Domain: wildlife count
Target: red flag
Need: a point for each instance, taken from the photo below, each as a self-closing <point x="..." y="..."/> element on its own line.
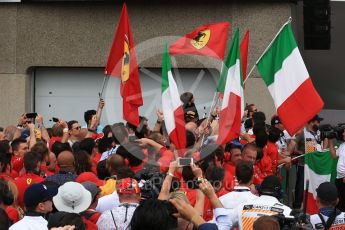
<point x="207" y="40"/>
<point x="244" y="54"/>
<point x="122" y="63"/>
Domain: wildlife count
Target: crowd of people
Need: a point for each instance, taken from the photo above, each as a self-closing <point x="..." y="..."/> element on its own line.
<point x="122" y="176"/>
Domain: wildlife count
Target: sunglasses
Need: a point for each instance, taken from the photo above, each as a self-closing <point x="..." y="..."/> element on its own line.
<point x="77" y="128"/>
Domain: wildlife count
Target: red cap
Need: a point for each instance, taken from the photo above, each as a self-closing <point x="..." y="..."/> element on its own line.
<point x="127" y="186"/>
<point x="91" y="177"/>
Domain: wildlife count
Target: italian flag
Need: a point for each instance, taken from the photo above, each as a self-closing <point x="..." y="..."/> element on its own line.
<point x="284" y="72"/>
<point x="319" y="167"/>
<point x="231" y="87"/>
<point x="172" y="106"/>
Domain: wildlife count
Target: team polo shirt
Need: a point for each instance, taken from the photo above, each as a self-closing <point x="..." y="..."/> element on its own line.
<point x="23" y="182"/>
<point x="245" y="214"/>
<point x="338" y="224"/>
<point x="238" y="196"/>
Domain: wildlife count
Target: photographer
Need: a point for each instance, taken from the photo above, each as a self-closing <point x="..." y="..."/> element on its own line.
<point x="328" y="217"/>
<point x="340" y="182"/>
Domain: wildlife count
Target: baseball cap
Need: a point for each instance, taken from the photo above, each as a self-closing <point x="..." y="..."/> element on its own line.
<point x="327" y="192"/>
<point x="89" y="176"/>
<point x="316" y="118"/>
<point x="38" y="193"/>
<point x="72" y="197"/>
<point x="127" y="186"/>
<point x="271" y="183"/>
<point x="275" y="120"/>
<point x="92" y="188"/>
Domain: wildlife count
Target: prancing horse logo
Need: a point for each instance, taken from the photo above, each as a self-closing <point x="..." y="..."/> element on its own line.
<point x="201" y="39"/>
<point x="125" y="61"/>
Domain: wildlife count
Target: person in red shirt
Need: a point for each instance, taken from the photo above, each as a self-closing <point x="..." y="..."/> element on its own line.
<point x="232" y="156"/>
<point x="7" y="200"/>
<point x="272" y="148"/>
<point x="5" y="161"/>
<point x="215" y="175"/>
<point x="41" y="149"/>
<point x="31" y="176"/>
<point x="137" y="158"/>
<point x="52" y="164"/>
<point x="89" y="145"/>
<point x="19" y="148"/>
<point x="250" y="154"/>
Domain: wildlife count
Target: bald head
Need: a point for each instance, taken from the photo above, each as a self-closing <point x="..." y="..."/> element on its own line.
<point x="114" y="162"/>
<point x="66" y="160"/>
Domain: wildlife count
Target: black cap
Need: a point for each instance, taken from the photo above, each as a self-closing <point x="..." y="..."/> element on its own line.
<point x="275" y="120"/>
<point x="271" y="184"/>
<point x="316" y="118"/>
<point x="38" y="193"/>
<point x="327" y="192"/>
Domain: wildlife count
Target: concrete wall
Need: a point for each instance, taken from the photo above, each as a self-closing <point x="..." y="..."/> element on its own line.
<point x="80" y="35"/>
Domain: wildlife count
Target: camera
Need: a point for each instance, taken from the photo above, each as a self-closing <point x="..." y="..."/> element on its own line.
<point x="298" y="220"/>
<point x="332" y="132"/>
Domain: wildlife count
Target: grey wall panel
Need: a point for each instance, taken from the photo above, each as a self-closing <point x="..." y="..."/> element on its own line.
<point x="68" y="92"/>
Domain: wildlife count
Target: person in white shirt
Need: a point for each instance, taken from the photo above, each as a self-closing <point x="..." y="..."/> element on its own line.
<point x="340" y="182"/>
<point x="241" y="193"/>
<point x="245" y="214"/>
<point x="328" y="217"/>
<point x="120" y="217"/>
<point x="38" y="203"/>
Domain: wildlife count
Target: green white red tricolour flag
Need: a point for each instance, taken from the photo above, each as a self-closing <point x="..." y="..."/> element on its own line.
<point x="319" y="167"/>
<point x="284" y="72"/>
<point x="231" y="87"/>
<point x="172" y="106"/>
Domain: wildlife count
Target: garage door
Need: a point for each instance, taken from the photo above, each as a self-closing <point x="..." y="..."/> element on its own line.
<point x="68" y="92"/>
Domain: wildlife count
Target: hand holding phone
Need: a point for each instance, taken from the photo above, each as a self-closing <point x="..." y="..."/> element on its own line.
<point x="185" y="161"/>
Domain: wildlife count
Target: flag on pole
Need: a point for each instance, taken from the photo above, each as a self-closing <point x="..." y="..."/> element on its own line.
<point x="244" y="54"/>
<point x="207" y="40"/>
<point x="231" y="87"/>
<point x="172" y="106"/>
<point x="284" y="72"/>
<point x="319" y="167"/>
<point x="122" y="63"/>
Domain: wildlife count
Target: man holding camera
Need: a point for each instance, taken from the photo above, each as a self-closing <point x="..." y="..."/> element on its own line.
<point x="340" y="182"/>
